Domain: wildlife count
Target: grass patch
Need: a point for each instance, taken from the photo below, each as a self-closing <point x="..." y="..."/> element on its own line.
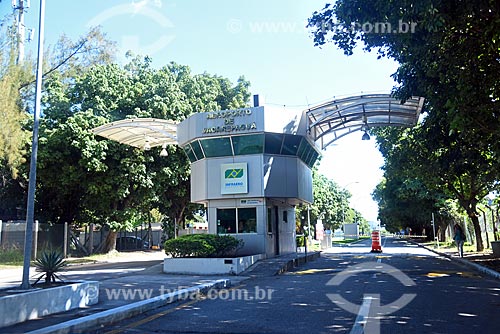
<point x="344" y="241"/>
<point x="11" y="257"/>
<point x="349" y="241"/>
<point x="451" y="246"/>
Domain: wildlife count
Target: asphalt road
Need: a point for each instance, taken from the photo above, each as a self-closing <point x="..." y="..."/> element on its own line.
<point x="405" y="289"/>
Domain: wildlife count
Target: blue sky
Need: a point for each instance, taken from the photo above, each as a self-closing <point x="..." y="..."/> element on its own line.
<point x="266" y="41"/>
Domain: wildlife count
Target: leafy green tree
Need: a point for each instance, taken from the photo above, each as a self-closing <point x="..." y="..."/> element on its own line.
<point x="114" y="185"/>
<point x="331" y="203"/>
<point x="16" y="101"/>
<point x="12" y="137"/>
<point x="449" y="57"/>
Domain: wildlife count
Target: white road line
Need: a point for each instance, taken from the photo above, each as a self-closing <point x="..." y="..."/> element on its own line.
<point x="361" y="319"/>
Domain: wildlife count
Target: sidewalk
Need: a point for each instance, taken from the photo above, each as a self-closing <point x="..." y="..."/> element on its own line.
<point x="485" y="263"/>
<point x="126" y="296"/>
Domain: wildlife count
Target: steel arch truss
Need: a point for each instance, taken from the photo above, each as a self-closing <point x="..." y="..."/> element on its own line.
<point x="140" y="132"/>
<point x="335" y="119"/>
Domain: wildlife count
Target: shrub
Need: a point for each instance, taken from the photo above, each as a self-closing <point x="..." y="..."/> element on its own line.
<point x="226" y="245"/>
<point x="299" y="241"/>
<point x="202" y="245"/>
<point x="49" y="263"/>
<point x="11" y="256"/>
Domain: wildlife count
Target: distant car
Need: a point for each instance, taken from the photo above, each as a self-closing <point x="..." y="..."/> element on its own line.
<point x="131" y="243"/>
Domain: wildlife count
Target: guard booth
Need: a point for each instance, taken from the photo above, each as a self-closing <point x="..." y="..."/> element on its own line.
<point x="250" y="167"/>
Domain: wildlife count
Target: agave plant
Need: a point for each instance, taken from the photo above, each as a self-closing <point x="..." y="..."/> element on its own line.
<point x="49" y="263"/>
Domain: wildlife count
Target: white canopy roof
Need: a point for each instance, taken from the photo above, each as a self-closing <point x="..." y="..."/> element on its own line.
<point x="140" y="132"/>
<point x="334" y="119"/>
<point x="326" y="122"/>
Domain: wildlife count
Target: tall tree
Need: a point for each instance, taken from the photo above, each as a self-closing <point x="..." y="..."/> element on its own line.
<point x="111" y="184"/>
<point x="16" y="100"/>
<point x="448" y="52"/>
<point x="331" y="203"/>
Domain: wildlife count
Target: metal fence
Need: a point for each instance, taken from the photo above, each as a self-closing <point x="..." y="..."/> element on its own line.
<point x="74" y="242"/>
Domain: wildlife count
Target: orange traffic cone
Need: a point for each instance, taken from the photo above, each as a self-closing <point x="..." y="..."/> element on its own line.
<point x="376" y="247"/>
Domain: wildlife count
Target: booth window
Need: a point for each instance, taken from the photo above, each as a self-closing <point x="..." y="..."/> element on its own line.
<point x="226" y="221"/>
<point x="217" y="147"/>
<point x="273" y="142"/>
<point x="197" y="149"/>
<point x="227" y="218"/>
<point x="269" y="220"/>
<point x="291" y="145"/>
<point x="250" y="144"/>
<point x="190" y="153"/>
<point x="247" y="220"/>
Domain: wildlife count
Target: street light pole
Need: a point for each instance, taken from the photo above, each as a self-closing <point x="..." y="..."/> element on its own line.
<point x="343" y="208"/>
<point x="30" y="210"/>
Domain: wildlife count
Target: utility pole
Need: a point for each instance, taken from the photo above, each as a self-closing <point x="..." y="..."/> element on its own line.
<point x="28" y="238"/>
<point x="21" y="6"/>
<point x="434" y="229"/>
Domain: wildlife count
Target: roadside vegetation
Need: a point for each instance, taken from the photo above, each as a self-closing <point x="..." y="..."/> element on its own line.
<point x="10" y="257"/>
<point x="448" y="165"/>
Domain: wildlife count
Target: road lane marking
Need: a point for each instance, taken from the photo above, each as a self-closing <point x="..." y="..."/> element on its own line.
<point x="362" y="316"/>
<point x="379" y="260"/>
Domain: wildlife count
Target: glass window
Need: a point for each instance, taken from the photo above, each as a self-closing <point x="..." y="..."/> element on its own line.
<point x="291" y="145"/>
<point x="251" y="144"/>
<point x="306" y="152"/>
<point x="197" y="149"/>
<point x="226" y="221"/>
<point x="217" y="147"/>
<point x="302" y="147"/>
<point x="273" y="143"/>
<point x="312" y="158"/>
<point x="247" y="220"/>
<point x="269" y="220"/>
<point x="189" y="153"/>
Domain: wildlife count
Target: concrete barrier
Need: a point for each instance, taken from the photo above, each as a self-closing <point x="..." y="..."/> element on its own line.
<point x="126" y="311"/>
<point x="209" y="266"/>
<point x="32" y="304"/>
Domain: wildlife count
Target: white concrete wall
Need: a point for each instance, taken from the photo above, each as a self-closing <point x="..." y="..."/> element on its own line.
<point x="209" y="266"/>
<point x="37" y="303"/>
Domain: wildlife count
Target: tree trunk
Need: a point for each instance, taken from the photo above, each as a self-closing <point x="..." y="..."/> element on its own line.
<point x="477" y="232"/>
<point x="109" y="244"/>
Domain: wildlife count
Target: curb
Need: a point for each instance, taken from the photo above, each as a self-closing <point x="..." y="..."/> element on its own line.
<point x="130" y="310"/>
<point x="292" y="263"/>
<point x="467" y="263"/>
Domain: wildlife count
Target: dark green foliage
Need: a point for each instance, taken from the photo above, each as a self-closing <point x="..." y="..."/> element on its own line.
<point x="450" y="57"/>
<point x="300" y="241"/>
<point x="202" y="245"/>
<point x="49" y="263"/>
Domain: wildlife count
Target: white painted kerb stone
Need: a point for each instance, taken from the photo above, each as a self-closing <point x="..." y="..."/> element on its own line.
<point x="209" y="266"/>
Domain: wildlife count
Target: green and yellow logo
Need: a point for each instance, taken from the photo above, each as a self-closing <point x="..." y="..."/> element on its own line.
<point x="233" y="173"/>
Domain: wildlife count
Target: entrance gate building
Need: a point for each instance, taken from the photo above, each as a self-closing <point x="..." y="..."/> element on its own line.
<point x="250" y="167"/>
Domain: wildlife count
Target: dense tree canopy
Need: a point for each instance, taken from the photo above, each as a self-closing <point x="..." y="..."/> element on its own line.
<point x="331" y="206"/>
<point x="112" y="184"/>
<point x="448" y="52"/>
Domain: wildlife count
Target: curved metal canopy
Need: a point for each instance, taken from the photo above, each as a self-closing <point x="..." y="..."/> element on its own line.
<point x="335" y="119"/>
<point x="140" y="132"/>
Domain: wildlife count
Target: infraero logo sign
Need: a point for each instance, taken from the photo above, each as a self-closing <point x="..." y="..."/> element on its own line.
<point x="234" y="178"/>
<point x="234" y="173"/>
